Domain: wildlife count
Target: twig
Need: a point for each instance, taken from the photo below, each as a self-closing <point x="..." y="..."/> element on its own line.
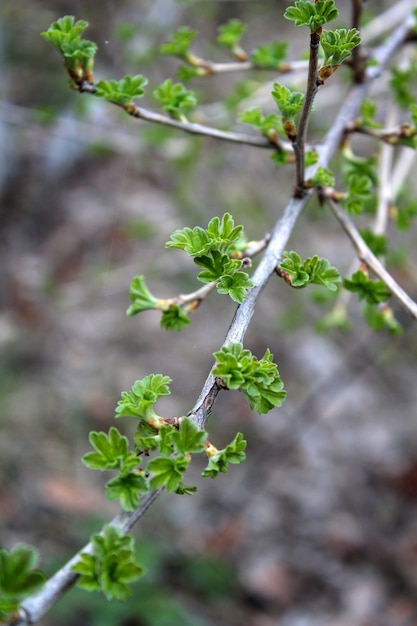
<point x="357" y="61"/>
<point x="310" y="93"/>
<point x="366" y="256"/>
<point x="33" y="608"/>
<point x="211" y="67"/>
<point x="385" y="168"/>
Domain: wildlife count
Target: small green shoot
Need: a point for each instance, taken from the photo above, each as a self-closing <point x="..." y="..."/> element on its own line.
<point x="312" y="14"/>
<point x="313" y="270"/>
<point x="371" y="291"/>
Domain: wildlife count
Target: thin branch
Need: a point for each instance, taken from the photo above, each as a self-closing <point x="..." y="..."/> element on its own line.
<point x="385" y="168"/>
<point x="366" y="256"/>
<point x="211" y="67"/>
<point x="357" y="60"/>
<point x="310" y="93"/>
<point x="33" y="608"/>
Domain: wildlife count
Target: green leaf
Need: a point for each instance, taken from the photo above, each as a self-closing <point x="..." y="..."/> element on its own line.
<point x="167" y="472"/>
<point x="289" y="102"/>
<point x="126" y="489"/>
<point x="18" y="578"/>
<point x="314" y="270"/>
<point x="405" y="216"/>
<point x="359" y="192"/>
<point x="372" y="291"/>
<point x="382" y="319"/>
<point x="143" y="395"/>
<point x="311" y="158"/>
<point x="175" y="318"/>
<point x="313" y="15"/>
<point x="65" y="36"/>
<point x="259" y="380"/>
<point x="223" y="233"/>
<point x="368" y="111"/>
<point x="65" y="29"/>
<point x="175" y="98"/>
<point x="111" y="451"/>
<point x="269" y="125"/>
<point x="378" y="244"/>
<point x="140" y="296"/>
<point x="401" y="84"/>
<point x="231" y="33"/>
<point x="122" y="91"/>
<point x="189" y="438"/>
<point x="111" y="566"/>
<point x="180" y="43"/>
<point x="215" y="265"/>
<point x="236" y="285"/>
<point x="323" y="177"/>
<point x="232" y="453"/>
<point x="270" y="56"/>
<point x="338" y="44"/>
<point x="194" y="241"/>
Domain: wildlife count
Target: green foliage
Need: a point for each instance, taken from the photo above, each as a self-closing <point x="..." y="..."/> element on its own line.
<point x="179" y="43"/>
<point x="112" y="452"/>
<point x="233" y="453"/>
<point x="259" y="380"/>
<point x="289" y="102"/>
<point x="368" y="110"/>
<point x="371" y="291"/>
<point x="313" y="15"/>
<point x="270" y="56"/>
<point x="338" y="44"/>
<point x="122" y="91"/>
<point x="382" y="318"/>
<point x="18" y="577"/>
<point x="323" y="177"/>
<point x="405" y="216"/>
<point x="311" y="158"/>
<point x="111" y="566"/>
<point x="140" y="296"/>
<point x="65" y="36"/>
<point x="175" y="98"/>
<point x="175" y="317"/>
<point x="269" y="125"/>
<point x="402" y="83"/>
<point x="378" y="244"/>
<point x="359" y="192"/>
<point x="212" y="249"/>
<point x="126" y="488"/>
<point x="142" y="396"/>
<point x="314" y="270"/>
<point x="231" y="33"/>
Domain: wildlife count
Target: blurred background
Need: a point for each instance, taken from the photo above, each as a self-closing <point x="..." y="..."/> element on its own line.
<point x="319" y="525"/>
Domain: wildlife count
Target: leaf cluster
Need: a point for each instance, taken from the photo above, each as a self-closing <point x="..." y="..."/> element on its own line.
<point x="358" y="194"/>
<point x="314" y="270"/>
<point x="231" y="33"/>
<point x="65" y="36"/>
<point x="122" y="91"/>
<point x="18" y="577"/>
<point x="371" y="291"/>
<point x="179" y="44"/>
<point x="111" y="566"/>
<point x="259" y="380"/>
<point x="233" y="453"/>
<point x="289" y="102"/>
<point x="270" y="56"/>
<point x="175" y="98"/>
<point x="269" y="125"/>
<point x="212" y="249"/>
<point x="338" y="44"/>
<point x="312" y="14"/>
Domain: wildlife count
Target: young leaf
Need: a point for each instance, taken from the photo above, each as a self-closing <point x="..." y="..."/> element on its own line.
<point x="167" y="472"/>
<point x="111" y="451"/>
<point x="270" y="56"/>
<point x="312" y="270"/>
<point x="338" y="44"/>
<point x="289" y="102"/>
<point x="359" y="192"/>
<point x="231" y="33"/>
<point x="143" y="395"/>
<point x="86" y="568"/>
<point x="372" y="291"/>
<point x="18" y="578"/>
<point x="382" y="318"/>
<point x="368" y="111"/>
<point x="140" y="296"/>
<point x="180" y="43"/>
<point x="188" y="438"/>
<point x="269" y="125"/>
<point x="236" y="285"/>
<point x="175" y="98"/>
<point x="194" y="241"/>
<point x="232" y="453"/>
<point x="175" y="318"/>
<point x="122" y="91"/>
<point x="377" y="243"/>
<point x="126" y="489"/>
<point x="214" y="266"/>
<point x="313" y="15"/>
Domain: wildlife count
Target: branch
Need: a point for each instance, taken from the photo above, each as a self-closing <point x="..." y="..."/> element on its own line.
<point x="211" y="67"/>
<point x="311" y="90"/>
<point x="190" y="127"/>
<point x="357" y="61"/>
<point x="366" y="256"/>
<point x="33" y="608"/>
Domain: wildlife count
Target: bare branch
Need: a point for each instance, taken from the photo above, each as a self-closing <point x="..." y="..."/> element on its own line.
<point x="366" y="256"/>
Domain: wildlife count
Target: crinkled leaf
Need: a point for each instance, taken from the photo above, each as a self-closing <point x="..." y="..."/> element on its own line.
<point x="88" y="569"/>
<point x="18" y="578"/>
<point x="289" y="102"/>
<point x="175" y="318"/>
<point x="372" y="291"/>
<point x="175" y="98"/>
<point x="167" y="472"/>
<point x="233" y="453"/>
<point x="140" y="296"/>
<point x="179" y="43"/>
<point x="194" y="241"/>
<point x="338" y="44"/>
<point x="214" y="265"/>
<point x="231" y="33"/>
<point x="143" y="395"/>
<point x="236" y="285"/>
<point x="189" y="438"/>
<point x="126" y="489"/>
<point x="313" y="15"/>
<point x="122" y="91"/>
<point x="111" y="451"/>
<point x="270" y="56"/>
